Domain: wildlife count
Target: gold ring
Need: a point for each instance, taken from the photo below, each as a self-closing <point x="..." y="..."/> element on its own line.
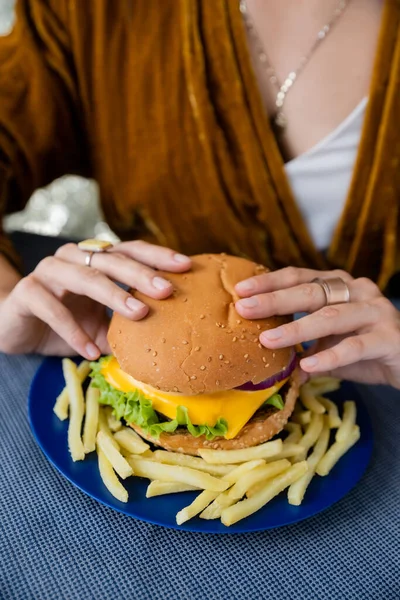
<point x="335" y="289"/>
<point x="93" y="247"/>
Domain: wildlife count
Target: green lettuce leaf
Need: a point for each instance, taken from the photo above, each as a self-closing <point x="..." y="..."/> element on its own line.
<point x="276" y="401"/>
<point x="134" y="407"/>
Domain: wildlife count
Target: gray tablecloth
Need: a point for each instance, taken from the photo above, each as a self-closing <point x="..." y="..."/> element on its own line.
<point x="57" y="543"/>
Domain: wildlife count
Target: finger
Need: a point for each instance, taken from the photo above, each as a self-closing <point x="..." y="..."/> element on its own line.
<point x="154" y="256"/>
<point x="368" y="346"/>
<point x="35" y="300"/>
<point x="120" y="267"/>
<point x="307" y="297"/>
<point x="284" y="278"/>
<point x="56" y="275"/>
<point x="329" y="320"/>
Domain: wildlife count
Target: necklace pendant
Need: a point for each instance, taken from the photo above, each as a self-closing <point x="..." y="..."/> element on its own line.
<point x="280" y="120"/>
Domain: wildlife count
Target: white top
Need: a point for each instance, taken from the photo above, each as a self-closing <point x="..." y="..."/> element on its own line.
<point x="320" y="178"/>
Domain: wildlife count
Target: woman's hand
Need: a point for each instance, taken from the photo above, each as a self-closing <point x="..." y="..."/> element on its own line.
<point x="359" y="340"/>
<point x="60" y="308"/>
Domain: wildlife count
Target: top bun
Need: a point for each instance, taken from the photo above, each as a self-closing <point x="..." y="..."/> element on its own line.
<point x="195" y="342"/>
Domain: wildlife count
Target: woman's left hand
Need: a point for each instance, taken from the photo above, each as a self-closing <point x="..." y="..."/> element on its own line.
<point x="358" y="340"/>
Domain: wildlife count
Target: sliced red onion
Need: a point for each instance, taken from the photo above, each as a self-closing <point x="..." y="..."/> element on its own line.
<point x="276" y="378"/>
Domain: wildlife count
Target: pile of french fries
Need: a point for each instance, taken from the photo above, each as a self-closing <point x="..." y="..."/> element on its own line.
<point x="233" y="484"/>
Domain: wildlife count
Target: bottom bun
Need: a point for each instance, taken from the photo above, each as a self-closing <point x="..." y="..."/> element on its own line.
<point x="264" y="425"/>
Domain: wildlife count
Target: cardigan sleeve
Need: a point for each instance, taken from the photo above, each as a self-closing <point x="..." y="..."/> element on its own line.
<point x="41" y="133"/>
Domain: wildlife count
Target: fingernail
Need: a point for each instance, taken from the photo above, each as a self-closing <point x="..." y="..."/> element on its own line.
<point x="245" y="286"/>
<point x="181" y="258"/>
<point x="248" y="303"/>
<point x="161" y="284"/>
<point x="92" y="350"/>
<point x="134" y="304"/>
<point x="309" y="362"/>
<point x="272" y="334"/>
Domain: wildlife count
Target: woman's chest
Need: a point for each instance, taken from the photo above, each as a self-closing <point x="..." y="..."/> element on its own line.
<point x="338" y="67"/>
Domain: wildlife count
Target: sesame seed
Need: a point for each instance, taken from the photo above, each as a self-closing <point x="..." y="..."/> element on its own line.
<point x="148" y="349"/>
<point x="264" y="359"/>
<point x="255" y="340"/>
<point x="259" y="345"/>
<point x="119" y="331"/>
<point x="185" y="342"/>
<point x="154" y="364"/>
<point x="197" y="348"/>
<point x="267" y="365"/>
<point x="273" y="355"/>
<point x="218" y="324"/>
<point x="154" y="353"/>
<point x="114" y="346"/>
<point x="202" y="368"/>
<point x="209" y="359"/>
<point x="242" y="337"/>
<point x="238" y="321"/>
<point x="246" y="356"/>
<point x="223" y="326"/>
<point x="226" y="362"/>
<point x="258" y="326"/>
<point x="175" y="389"/>
<point x="193" y="377"/>
<point x="234" y="339"/>
<point x="217" y="382"/>
<point x="163" y="340"/>
<point x="221" y="356"/>
<point x="202" y="316"/>
<point x="184" y="300"/>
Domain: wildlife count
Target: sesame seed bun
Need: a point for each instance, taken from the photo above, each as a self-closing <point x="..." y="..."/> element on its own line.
<point x="195" y="342"/>
<point x="264" y="425"/>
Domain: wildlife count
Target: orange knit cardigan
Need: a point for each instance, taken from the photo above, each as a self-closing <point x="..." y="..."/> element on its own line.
<point x="157" y="100"/>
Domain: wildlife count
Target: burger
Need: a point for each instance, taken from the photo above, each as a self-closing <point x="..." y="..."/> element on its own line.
<point x="192" y="374"/>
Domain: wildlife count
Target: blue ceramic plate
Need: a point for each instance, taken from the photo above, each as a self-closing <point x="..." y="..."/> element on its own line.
<point x="51" y="435"/>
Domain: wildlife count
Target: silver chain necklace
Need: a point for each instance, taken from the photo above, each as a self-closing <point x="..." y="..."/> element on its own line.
<point x="279" y="119"/>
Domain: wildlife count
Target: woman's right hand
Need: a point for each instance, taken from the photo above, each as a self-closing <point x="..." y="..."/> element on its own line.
<point x="60" y="308"/>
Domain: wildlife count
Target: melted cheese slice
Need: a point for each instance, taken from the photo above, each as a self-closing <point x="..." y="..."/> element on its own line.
<point x="235" y="406"/>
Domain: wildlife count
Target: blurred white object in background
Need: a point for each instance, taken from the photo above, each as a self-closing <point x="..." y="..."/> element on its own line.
<point x="69" y="207"/>
<point x="7" y="16"/>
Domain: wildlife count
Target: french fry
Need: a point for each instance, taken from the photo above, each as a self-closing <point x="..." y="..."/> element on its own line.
<point x="243" y="483"/>
<point x="118" y="462"/>
<point x="336" y="451"/>
<point x="151" y="469"/>
<point x="309" y="400"/>
<point x="205" y="498"/>
<point x="199" y="504"/>
<point x="160" y="488"/>
<point x="238" y="456"/>
<point x="288" y="451"/>
<point x="62" y="402"/>
<point x="333" y="413"/>
<point x="348" y="421"/>
<point x="113" y="423"/>
<point x="323" y="385"/>
<point x="214" y="510"/>
<point x="297" y="490"/>
<point x="184" y="460"/>
<point x="130" y="441"/>
<point x="295" y="433"/>
<point x="272" y="488"/>
<point x="91" y="419"/>
<point x="110" y="479"/>
<point x="103" y="426"/>
<point x="302" y="417"/>
<point x="77" y="409"/>
<point x="311" y="435"/>
<point x="254" y="476"/>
